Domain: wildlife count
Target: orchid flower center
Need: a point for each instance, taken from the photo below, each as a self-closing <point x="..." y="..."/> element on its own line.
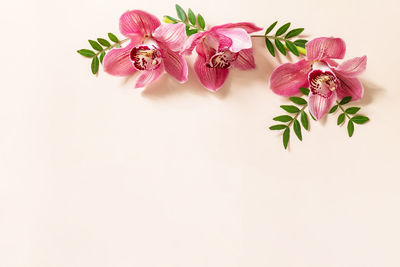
<point x="222" y="60"/>
<point x="146" y="57"/>
<point x="322" y="80"/>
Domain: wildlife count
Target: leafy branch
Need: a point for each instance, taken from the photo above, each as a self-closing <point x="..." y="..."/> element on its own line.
<point x="293" y="121"/>
<point x="283" y="43"/>
<point x="193" y="23"/>
<point x="347" y="113"/>
<point x="101" y="46"/>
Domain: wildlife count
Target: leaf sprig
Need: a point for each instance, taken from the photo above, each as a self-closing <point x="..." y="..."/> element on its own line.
<point x="349" y="113"/>
<point x="284" y="42"/>
<point x="293" y="121"/>
<point x="193" y="23"/>
<point x="100" y="48"/>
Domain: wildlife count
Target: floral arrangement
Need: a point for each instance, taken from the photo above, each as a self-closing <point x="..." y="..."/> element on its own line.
<point x="317" y="81"/>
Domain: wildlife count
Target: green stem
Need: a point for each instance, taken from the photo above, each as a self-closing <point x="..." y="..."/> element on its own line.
<point x="298" y="113"/>
<point x="301" y="50"/>
<point x="110" y="47"/>
<point x="345" y="113"/>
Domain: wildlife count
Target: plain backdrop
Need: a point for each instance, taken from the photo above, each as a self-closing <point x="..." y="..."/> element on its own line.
<point x="96" y="173"/>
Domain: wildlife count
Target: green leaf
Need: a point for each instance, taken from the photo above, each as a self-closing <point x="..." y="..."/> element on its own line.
<point x="345" y="100"/>
<point x="170" y="20"/>
<point x="190" y="31"/>
<point x="95" y="45"/>
<point x="304" y="120"/>
<point x="201" y="21"/>
<point x="270" y="46"/>
<point x="312" y="116"/>
<point x="290" y="108"/>
<point x="282" y="29"/>
<point x="192" y="17"/>
<point x="95" y="65"/>
<point x="304" y="91"/>
<point x="292" y="48"/>
<point x="278" y="127"/>
<point x="113" y="38"/>
<point x="286" y="137"/>
<point x="271" y="27"/>
<point x="333" y="109"/>
<point x="283" y="118"/>
<point x="350" y="128"/>
<point x="102" y="56"/>
<point x="294" y="33"/>
<point x="297" y="129"/>
<point x="341" y="118"/>
<point x="360" y="119"/>
<point x="300" y="42"/>
<point x="180" y="12"/>
<point x="104" y="42"/>
<point x="280" y="47"/>
<point x="86" y="52"/>
<point x="352" y="110"/>
<point x="298" y="100"/>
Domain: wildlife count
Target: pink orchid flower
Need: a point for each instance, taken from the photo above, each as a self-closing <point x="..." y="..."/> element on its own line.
<point x="220" y="48"/>
<point x="327" y="80"/>
<point x="153" y="48"/>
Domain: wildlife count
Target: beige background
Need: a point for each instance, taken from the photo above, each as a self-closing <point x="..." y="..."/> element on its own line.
<point x="96" y="173"/>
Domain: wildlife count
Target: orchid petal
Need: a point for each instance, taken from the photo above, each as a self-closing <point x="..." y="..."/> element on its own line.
<point x="171" y="35"/>
<point x="349" y="86"/>
<point x="247" y="26"/>
<point x="211" y="78"/>
<point x="288" y="78"/>
<point x="117" y="62"/>
<point x="148" y="76"/>
<point x="175" y="65"/>
<point x="240" y="38"/>
<point x="245" y="60"/>
<point x="320" y="105"/>
<point x="138" y="22"/>
<point x="192" y="42"/>
<point x="321" y="48"/>
<point x="352" y="67"/>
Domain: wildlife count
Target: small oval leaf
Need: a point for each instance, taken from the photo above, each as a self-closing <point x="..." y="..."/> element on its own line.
<point x="271" y="27"/>
<point x="333" y="109"/>
<point x="180" y="12"/>
<point x="350" y="128"/>
<point x="352" y="110"/>
<point x="298" y="100"/>
<point x="290" y="108"/>
<point x="95" y="45"/>
<point x="345" y="100"/>
<point x="286" y="137"/>
<point x="112" y="37"/>
<point x="297" y="129"/>
<point x="103" y="42"/>
<point x="340" y="119"/>
<point x="270" y="46"/>
<point x="360" y="119"/>
<point x="95" y="65"/>
<point x="282" y="29"/>
<point x="294" y="33"/>
<point x="280" y="47"/>
<point x="278" y="127"/>
<point x="304" y="120"/>
<point x="201" y="22"/>
<point x="86" y="53"/>
<point x="283" y="118"/>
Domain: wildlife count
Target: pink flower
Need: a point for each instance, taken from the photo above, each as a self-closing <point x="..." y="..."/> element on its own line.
<point x="326" y="79"/>
<point x="153" y="48"/>
<point x="220" y="48"/>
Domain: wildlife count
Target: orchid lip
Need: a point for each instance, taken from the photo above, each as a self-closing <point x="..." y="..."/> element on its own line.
<point x="146" y="57"/>
<point x="222" y="60"/>
<point x="322" y="82"/>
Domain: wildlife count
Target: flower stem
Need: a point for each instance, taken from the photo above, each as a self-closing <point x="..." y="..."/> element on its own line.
<point x="345" y="113"/>
<point x="111" y="47"/>
<point x="301" y="50"/>
<point x="298" y="113"/>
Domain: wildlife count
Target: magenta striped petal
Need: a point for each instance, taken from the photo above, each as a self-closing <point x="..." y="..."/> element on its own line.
<point x="211" y="78"/>
<point x="320" y="105"/>
<point x="288" y="78"/>
<point x="352" y="67"/>
<point x="247" y="26"/>
<point x="240" y="38"/>
<point x="117" y="62"/>
<point x="175" y="65"/>
<point x="245" y="60"/>
<point x="192" y="42"/>
<point x="148" y="76"/>
<point x="349" y="86"/>
<point x="138" y="22"/>
<point x="321" y="48"/>
<point x="171" y="35"/>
